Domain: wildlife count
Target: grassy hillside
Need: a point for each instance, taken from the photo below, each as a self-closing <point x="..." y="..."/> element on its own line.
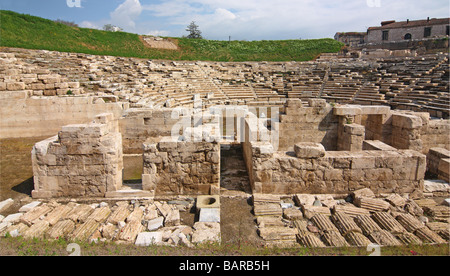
<point x="25" y="31"/>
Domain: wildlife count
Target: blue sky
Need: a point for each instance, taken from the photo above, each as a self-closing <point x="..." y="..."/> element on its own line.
<point x="240" y="19"/>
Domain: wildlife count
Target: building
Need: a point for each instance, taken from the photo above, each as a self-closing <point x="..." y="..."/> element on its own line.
<point x="392" y="31"/>
<point x="351" y="39"/>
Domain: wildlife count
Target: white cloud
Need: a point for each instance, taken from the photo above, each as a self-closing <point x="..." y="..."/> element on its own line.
<point x="126" y="14"/>
<point x="89" y="24"/>
<point x="265" y="19"/>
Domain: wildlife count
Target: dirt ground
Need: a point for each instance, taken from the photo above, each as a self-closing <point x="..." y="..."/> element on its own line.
<point x="237" y="221"/>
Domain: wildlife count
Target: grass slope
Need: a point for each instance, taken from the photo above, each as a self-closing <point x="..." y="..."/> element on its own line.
<point x="26" y="31"/>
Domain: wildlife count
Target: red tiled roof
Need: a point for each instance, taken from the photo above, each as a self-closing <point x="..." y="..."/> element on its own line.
<point x="413" y="23"/>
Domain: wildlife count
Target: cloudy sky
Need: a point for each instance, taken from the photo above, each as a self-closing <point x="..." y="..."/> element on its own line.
<point x="240" y="19"/>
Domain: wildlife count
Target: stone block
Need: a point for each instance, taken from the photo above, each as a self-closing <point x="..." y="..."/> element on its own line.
<point x="206" y="232"/>
<point x="5" y="204"/>
<point x="317" y="102"/>
<point x="347" y="111"/>
<point x="29" y="206"/>
<point x="15" y="86"/>
<point x="155" y="224"/>
<point x="294" y="103"/>
<point x="208" y="201"/>
<point x="13" y="218"/>
<point x="209" y="215"/>
<point x="354" y="129"/>
<point x="148" y="238"/>
<point x="309" y="150"/>
<point x="167" y="144"/>
<point x="406" y="121"/>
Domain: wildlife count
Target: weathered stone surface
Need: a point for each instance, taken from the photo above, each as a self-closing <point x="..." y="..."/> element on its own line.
<point x="61" y="229"/>
<point x="310" y="211"/>
<point x="100" y="214"/>
<point x="371" y="204"/>
<point x="383" y="237"/>
<point x="85" y="230"/>
<point x="292" y="214"/>
<point x="35" y="214"/>
<point x="345" y="223"/>
<point x="334" y="239"/>
<point x="60" y="211"/>
<point x="120" y="214"/>
<point x="396" y="200"/>
<point x="130" y="231"/>
<point x="36" y="230"/>
<point x="79" y="213"/>
<point x="136" y="215"/>
<point x="206" y="232"/>
<point x="428" y="236"/>
<point x="209" y="215"/>
<point x="387" y="222"/>
<point x="274" y="233"/>
<point x="18" y="228"/>
<point x="409" y="222"/>
<point x="365" y="192"/>
<point x="6" y="204"/>
<point x="323" y="222"/>
<point x="309" y="150"/>
<point x="13" y="218"/>
<point x="172" y="218"/>
<point x="29" y="206"/>
<point x="148" y="238"/>
<point x="367" y="225"/>
<point x="357" y="239"/>
<point x="310" y="241"/>
<point x="155" y="224"/>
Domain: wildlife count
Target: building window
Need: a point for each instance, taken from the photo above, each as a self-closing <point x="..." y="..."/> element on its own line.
<point x="385" y="35"/>
<point x="408" y="36"/>
<point x="427" y="32"/>
<point x="447" y="30"/>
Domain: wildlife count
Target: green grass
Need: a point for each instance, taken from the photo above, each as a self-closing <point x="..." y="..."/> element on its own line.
<point x="30" y="32"/>
<point x="42" y="247"/>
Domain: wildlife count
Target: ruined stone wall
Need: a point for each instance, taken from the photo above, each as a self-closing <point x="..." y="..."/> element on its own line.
<point x="139" y="124"/>
<point x="336" y="171"/>
<point x="181" y="167"/>
<point x="83" y="160"/>
<point x="308" y="122"/>
<point x="24" y="116"/>
<point x="438" y="163"/>
<point x="435" y="133"/>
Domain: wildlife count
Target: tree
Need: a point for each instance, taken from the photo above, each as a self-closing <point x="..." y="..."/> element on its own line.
<point x="111" y="28"/>
<point x="68" y="23"/>
<point x="193" y="30"/>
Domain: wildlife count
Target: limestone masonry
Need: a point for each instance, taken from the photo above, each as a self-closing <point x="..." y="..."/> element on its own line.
<point x="337" y="151"/>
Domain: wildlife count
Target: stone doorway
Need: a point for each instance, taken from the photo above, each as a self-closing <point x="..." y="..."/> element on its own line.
<point x="234" y="178"/>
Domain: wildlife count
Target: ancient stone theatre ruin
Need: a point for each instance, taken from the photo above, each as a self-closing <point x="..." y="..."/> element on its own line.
<point x="314" y="132"/>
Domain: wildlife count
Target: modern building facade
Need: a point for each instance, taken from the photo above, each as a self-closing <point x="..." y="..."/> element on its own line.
<point x="392" y="31"/>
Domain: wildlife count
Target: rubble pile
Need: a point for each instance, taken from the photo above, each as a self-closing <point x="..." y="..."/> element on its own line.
<point x="358" y="220"/>
<point x="141" y="222"/>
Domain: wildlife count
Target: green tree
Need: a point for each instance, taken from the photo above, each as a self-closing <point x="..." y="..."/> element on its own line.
<point x="193" y="30"/>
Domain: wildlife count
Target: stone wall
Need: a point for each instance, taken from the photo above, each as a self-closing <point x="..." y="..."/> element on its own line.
<point x="83" y="160"/>
<point x="335" y="172"/>
<point x="438" y="163"/>
<point x="35" y="116"/>
<point x="311" y="121"/>
<point x="139" y="124"/>
<point x="181" y="167"/>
